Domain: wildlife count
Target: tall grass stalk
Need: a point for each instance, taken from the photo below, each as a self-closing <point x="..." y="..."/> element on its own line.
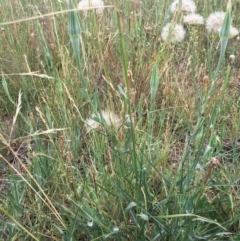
<point x="136" y="164"/>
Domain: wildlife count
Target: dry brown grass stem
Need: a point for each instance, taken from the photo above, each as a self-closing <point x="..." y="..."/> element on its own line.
<point x="49" y="15"/>
<point x="71" y="99"/>
<point x="34" y="73"/>
<point x="16" y="114"/>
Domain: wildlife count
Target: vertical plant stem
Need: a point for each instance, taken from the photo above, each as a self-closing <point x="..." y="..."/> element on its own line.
<point x="126" y="79"/>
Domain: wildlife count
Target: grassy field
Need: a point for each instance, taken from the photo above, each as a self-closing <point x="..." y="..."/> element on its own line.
<point x="109" y="131"/>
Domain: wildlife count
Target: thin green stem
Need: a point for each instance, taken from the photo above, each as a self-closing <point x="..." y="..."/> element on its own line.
<point x="126" y="79"/>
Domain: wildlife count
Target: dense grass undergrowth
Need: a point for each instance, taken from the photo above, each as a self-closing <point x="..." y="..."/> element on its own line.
<point x="167" y="169"/>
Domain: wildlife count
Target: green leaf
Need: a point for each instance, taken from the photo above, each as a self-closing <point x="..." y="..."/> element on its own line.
<point x="224" y="36"/>
<point x="5" y="87"/>
<point x="144" y="216"/>
<point x="73" y="22"/>
<point x="74" y="32"/>
<point x="131" y="205"/>
<point x="154" y="82"/>
<point x="122" y="92"/>
<point x="225" y="30"/>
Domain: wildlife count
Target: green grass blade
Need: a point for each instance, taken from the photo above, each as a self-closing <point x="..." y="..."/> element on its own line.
<point x="74" y="32"/>
<point x="224" y="36"/>
<point x="154" y="82"/>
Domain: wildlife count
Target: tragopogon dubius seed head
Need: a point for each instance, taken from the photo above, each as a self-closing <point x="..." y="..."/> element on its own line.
<point x="215" y="21"/>
<point x="188" y="6"/>
<point x="110" y="119"/>
<point x="85" y="4"/>
<point x="173" y="32"/>
<point x="193" y="19"/>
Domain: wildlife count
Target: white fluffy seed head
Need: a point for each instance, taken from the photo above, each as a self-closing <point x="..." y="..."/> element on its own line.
<point x="85" y="4"/>
<point x="232" y="57"/>
<point x="233" y="32"/>
<point x="173" y="32"/>
<point x="110" y="119"/>
<point x="193" y="19"/>
<point x="215" y="21"/>
<point x="188" y="6"/>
